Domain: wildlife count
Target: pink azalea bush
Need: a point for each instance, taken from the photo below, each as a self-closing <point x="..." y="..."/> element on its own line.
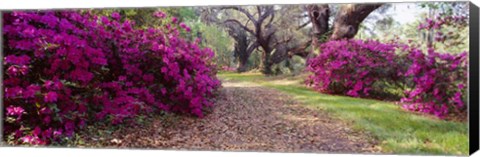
<point x="437" y="82"/>
<point x="64" y="69"/>
<point x="351" y="67"/>
<point x="433" y="82"/>
<point x="442" y="21"/>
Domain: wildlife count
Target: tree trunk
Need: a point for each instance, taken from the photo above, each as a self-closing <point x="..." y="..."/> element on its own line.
<point x="319" y="15"/>
<point x="241" y="66"/>
<point x="266" y="55"/>
<point x="266" y="67"/>
<point x="241" y="51"/>
<point x="348" y="19"/>
<point x="265" y="14"/>
<point x="243" y="56"/>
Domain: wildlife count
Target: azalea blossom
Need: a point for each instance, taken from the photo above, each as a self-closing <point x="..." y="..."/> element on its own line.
<point x="76" y="71"/>
<point x="51" y="97"/>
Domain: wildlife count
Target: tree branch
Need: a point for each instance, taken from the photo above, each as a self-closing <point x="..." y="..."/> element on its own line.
<point x="245" y="12"/>
<point x="240" y="24"/>
<point x="301" y="49"/>
<point x="271" y="20"/>
<point x="268" y="11"/>
<point x="349" y="18"/>
<point x="252" y="47"/>
<point x="303" y="25"/>
<point x="283" y="41"/>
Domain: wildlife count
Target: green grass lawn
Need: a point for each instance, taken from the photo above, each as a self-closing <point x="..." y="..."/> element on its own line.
<point x="397" y="131"/>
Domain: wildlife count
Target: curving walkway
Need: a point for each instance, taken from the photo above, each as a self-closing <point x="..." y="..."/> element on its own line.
<point x="247" y="117"/>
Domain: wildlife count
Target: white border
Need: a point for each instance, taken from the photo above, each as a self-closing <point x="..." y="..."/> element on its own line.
<point x="59" y="4"/>
<point x="79" y="152"/>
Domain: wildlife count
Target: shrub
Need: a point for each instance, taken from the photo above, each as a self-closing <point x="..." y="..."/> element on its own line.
<point x="433" y="83"/>
<point x="351" y="67"/>
<point x="64" y="69"/>
<point x="442" y="21"/>
<point x="437" y="82"/>
<point x="448" y="32"/>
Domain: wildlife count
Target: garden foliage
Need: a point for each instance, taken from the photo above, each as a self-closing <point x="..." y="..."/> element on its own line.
<point x="433" y="82"/>
<point x="64" y="69"/>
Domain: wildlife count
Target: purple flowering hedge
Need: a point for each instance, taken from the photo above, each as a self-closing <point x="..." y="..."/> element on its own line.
<point x="64" y="69"/>
<point x="433" y="82"/>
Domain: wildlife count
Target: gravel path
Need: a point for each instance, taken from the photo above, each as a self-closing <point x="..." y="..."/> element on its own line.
<point x="247" y="118"/>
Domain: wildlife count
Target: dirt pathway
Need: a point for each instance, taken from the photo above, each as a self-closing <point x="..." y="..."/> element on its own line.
<point x="248" y="118"/>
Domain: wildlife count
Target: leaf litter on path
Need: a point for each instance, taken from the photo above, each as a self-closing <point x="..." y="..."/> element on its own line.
<point x="246" y="117"/>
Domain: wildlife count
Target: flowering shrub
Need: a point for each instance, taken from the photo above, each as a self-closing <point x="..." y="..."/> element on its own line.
<point x="437" y="82"/>
<point x="443" y="21"/>
<point x="434" y="83"/>
<point x="446" y="32"/>
<point x="66" y="68"/>
<point x="351" y="67"/>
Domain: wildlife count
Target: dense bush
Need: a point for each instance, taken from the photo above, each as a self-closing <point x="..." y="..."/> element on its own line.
<point x="440" y="22"/>
<point x="64" y="69"/>
<point x="448" y="32"/>
<point x="351" y="67"/>
<point x="437" y="81"/>
<point x="433" y="82"/>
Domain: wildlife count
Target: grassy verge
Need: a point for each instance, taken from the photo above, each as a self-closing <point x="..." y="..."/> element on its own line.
<point x="397" y="131"/>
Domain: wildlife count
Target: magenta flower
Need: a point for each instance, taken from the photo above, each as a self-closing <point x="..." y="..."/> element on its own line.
<point x="15" y="111"/>
<point x="47" y="133"/>
<point x="51" y="97"/>
<point x="57" y="85"/>
<point x="57" y="133"/>
<point x="45" y="110"/>
<point x="159" y="14"/>
<point x="122" y="78"/>
<point x="50" y="20"/>
<point x="344" y="62"/>
<point x="13" y="92"/>
<point x="81" y="123"/>
<point x="17" y="60"/>
<point x="99" y="61"/>
<point x="197" y="112"/>
<point x="37" y="131"/>
<point x="31" y="91"/>
<point x="18" y="133"/>
<point x="458" y="99"/>
<point x="183" y="25"/>
<point x="47" y="120"/>
<point x="82" y="75"/>
<point x="78" y="47"/>
<point x="69" y="126"/>
<point x="29" y="139"/>
<point x="148" y="78"/>
<point x="116" y="15"/>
